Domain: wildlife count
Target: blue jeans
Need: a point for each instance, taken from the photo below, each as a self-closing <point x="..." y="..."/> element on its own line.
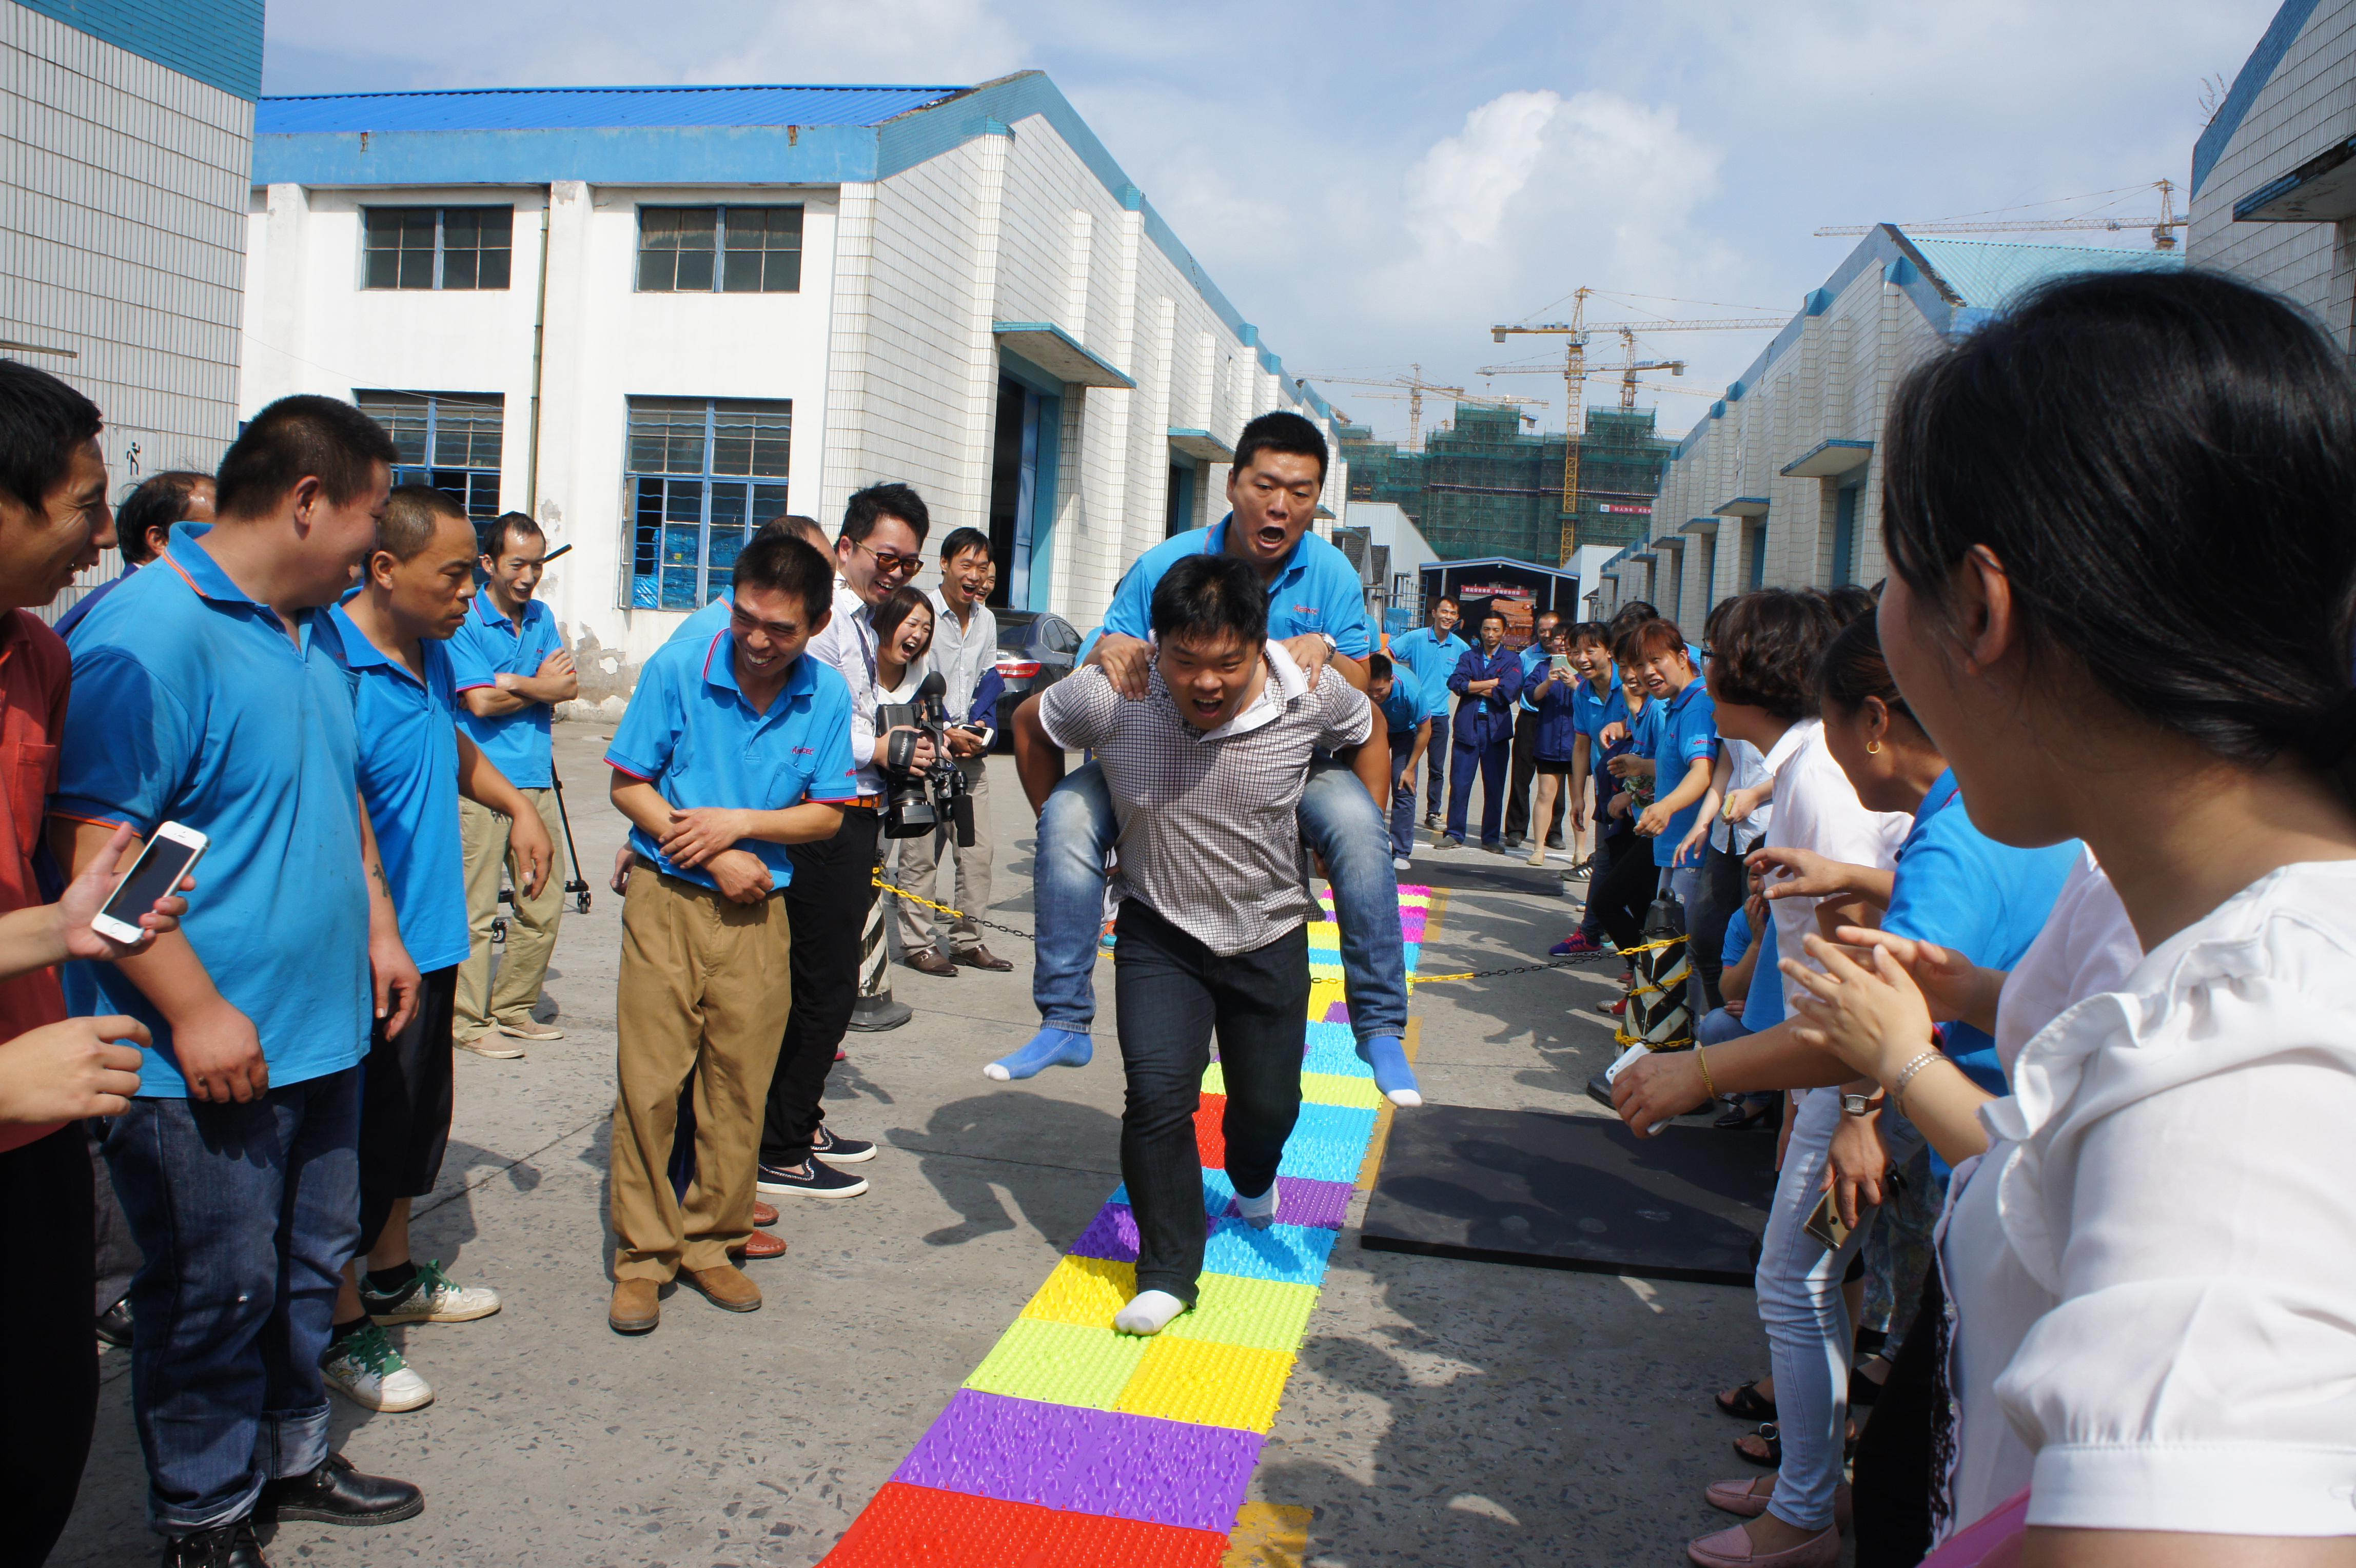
<point x="1492" y="764"/>
<point x="1174" y="994"/>
<point x="1077" y="829"/>
<point x="1402" y="796"/>
<point x="246" y="1215"/>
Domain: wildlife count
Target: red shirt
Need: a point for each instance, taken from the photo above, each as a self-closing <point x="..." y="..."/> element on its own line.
<point x="36" y="675"/>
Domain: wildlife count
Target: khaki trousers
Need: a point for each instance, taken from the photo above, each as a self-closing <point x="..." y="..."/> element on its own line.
<point x="705" y="982"/>
<point x="531" y="926"/>
<point x="920" y="863"/>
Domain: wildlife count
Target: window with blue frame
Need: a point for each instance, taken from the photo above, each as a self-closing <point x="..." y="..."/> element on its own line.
<point x="703" y="473"/>
<point x="437" y="247"/>
<point x="448" y="440"/>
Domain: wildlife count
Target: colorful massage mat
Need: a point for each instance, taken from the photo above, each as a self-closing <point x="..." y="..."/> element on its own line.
<point x="1073" y="1446"/>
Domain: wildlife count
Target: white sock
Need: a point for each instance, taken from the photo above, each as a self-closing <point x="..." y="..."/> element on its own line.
<point x="1259" y="1213"/>
<point x="1149" y="1312"/>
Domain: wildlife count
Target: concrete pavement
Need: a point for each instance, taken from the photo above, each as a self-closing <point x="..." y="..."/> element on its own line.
<point x="1442" y="1412"/>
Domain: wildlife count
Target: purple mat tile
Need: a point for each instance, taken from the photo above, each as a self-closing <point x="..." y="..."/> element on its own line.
<point x="1085" y="1461"/>
<point x="1299" y="1201"/>
<point x="1339" y="1013"/>
<point x="1111" y="1234"/>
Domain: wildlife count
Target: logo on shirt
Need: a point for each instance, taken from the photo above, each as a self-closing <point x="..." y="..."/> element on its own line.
<point x="805" y="751"/>
<point x="1311" y="610"/>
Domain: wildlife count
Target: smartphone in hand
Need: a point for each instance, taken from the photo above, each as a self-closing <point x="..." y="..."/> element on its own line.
<point x="169" y="854"/>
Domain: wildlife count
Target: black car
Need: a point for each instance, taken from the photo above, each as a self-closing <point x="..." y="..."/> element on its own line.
<point x="1035" y="650"/>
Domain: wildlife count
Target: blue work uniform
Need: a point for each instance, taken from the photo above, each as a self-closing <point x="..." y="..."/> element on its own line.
<point x="1483" y="740"/>
<point x="1594" y="715"/>
<point x="487" y="645"/>
<point x="690" y="733"/>
<point x="1316" y="590"/>
<point x="1970" y="895"/>
<point x="408" y="777"/>
<point x="1557" y="712"/>
<point x="1683" y="733"/>
<point x="1406" y="707"/>
<point x="193" y="704"/>
<point x="1432" y="656"/>
<point x="1403" y="710"/>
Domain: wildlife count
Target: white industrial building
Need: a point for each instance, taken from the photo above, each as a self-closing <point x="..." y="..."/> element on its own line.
<point x="2274" y="174"/>
<point x="1780" y="483"/>
<point x="122" y="200"/>
<point x="652" y="317"/>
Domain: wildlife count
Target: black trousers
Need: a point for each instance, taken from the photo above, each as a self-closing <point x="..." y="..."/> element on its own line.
<point x="1893" y="1453"/>
<point x="47" y="1354"/>
<point x="1722" y="889"/>
<point x="405" y="1097"/>
<point x="1625" y="889"/>
<point x="827" y="904"/>
<point x="118" y="1254"/>
<point x="1518" y="798"/>
<point x="1174" y="994"/>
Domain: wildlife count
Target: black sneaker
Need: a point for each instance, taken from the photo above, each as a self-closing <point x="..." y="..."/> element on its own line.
<point x="812" y="1178"/>
<point x="230" y="1546"/>
<point x="114" y="1325"/>
<point x="335" y="1493"/>
<point x="841" y="1151"/>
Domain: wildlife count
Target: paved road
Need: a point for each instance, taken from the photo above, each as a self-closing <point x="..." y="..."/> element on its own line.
<point x="1443" y="1414"/>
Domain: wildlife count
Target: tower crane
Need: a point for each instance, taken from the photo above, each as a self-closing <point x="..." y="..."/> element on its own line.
<point x="1412" y="390"/>
<point x="2163" y="231"/>
<point x="1575" y="372"/>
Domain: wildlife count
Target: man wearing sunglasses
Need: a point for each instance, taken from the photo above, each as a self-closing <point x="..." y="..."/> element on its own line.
<point x="878" y="550"/>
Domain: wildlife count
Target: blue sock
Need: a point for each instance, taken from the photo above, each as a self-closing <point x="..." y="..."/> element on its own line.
<point x="1392" y="1074"/>
<point x="1049" y="1047"/>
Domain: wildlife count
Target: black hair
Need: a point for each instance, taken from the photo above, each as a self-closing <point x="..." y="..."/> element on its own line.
<point x="1379" y="666"/>
<point x="1451" y="601"/>
<point x="1853" y="669"/>
<point x="960" y="540"/>
<point x="876" y="502"/>
<point x="788" y="564"/>
<point x="1765" y="647"/>
<point x="1488" y="615"/>
<point x="412" y="515"/>
<point x="42" y="420"/>
<point x="501" y="530"/>
<point x="1280" y="431"/>
<point x="2164" y="464"/>
<point x="298" y="438"/>
<point x="1593" y="631"/>
<point x="898" y="607"/>
<point x="1849" y="603"/>
<point x="1208" y="598"/>
<point x="161" y="500"/>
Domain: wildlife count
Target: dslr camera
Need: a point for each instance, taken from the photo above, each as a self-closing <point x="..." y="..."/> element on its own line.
<point x="921" y="798"/>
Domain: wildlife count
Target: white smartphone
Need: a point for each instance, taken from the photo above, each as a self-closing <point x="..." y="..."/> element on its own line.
<point x="170" y="851"/>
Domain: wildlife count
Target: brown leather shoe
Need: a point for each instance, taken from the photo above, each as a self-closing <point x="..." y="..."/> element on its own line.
<point x="726" y="1287"/>
<point x="758" y="1246"/>
<point x="637" y="1306"/>
<point x="982" y="958"/>
<point x="763" y="1214"/>
<point x="930" y="961"/>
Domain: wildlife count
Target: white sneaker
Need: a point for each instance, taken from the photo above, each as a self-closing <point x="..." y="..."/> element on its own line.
<point x="1401" y="862"/>
<point x="366" y="1369"/>
<point x="435" y="1298"/>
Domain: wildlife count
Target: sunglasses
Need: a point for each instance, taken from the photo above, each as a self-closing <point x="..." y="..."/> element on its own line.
<point x="887" y="562"/>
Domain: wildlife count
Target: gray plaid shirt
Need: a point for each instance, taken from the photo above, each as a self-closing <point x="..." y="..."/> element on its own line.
<point x="1208" y="837"/>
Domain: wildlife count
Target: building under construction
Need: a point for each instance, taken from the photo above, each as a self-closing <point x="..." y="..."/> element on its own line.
<point x="1480" y="488"/>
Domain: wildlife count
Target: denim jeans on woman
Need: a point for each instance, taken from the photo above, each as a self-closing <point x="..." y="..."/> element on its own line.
<point x="1808" y="1331"/>
<point x="1175" y="994"/>
<point x="246" y="1215"/>
<point x="1076" y="830"/>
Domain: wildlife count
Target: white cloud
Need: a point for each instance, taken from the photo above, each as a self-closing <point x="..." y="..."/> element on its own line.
<point x="921" y="42"/>
<point x="1458" y="191"/>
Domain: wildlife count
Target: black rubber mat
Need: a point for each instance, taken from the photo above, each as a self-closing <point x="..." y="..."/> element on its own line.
<point x="1549" y="1191"/>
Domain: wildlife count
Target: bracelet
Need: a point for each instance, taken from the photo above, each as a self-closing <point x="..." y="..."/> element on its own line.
<point x="1906" y="1075"/>
<point x="1702" y="1062"/>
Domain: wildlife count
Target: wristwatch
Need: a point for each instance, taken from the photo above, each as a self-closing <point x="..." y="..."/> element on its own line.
<point x="1860" y="1105"/>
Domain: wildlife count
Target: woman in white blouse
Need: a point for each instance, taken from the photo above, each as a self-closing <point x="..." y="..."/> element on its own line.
<point x="2121" y="523"/>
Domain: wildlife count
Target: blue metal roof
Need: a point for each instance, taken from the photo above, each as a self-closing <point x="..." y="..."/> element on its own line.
<point x="2256" y="72"/>
<point x="592" y="108"/>
<point x="1992" y="276"/>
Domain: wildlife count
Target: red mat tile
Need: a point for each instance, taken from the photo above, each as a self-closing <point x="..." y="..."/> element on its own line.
<point x="920" y="1527"/>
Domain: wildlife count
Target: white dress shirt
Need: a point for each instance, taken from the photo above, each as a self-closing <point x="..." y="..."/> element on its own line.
<point x="1746" y="769"/>
<point x="848" y="644"/>
<point x="962" y="654"/>
<point x="2154" y="1266"/>
<point x="1816" y="809"/>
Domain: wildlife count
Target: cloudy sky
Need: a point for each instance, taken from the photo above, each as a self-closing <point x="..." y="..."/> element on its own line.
<point x="1375" y="184"/>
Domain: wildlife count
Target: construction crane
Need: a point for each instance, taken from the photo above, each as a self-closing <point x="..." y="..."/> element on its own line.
<point x="1412" y="390"/>
<point x="1626" y="372"/>
<point x="1575" y="372"/>
<point x="2163" y="231"/>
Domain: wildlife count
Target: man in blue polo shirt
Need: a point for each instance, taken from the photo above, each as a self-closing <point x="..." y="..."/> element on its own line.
<point x="390" y="635"/>
<point x="1407" y="716"/>
<point x="727" y="754"/>
<point x="1317" y="608"/>
<point x="202" y="697"/>
<point x="1431" y="653"/>
<point x="512" y="671"/>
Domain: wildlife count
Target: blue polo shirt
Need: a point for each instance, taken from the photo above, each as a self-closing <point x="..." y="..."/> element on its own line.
<point x="487" y="645"/>
<point x="408" y="777"/>
<point x="691" y="734"/>
<point x="1685" y="732"/>
<point x="192" y="704"/>
<point x="1406" y="707"/>
<point x="707" y="623"/>
<point x="1433" y="659"/>
<point x="1316" y="590"/>
<point x="1962" y="890"/>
